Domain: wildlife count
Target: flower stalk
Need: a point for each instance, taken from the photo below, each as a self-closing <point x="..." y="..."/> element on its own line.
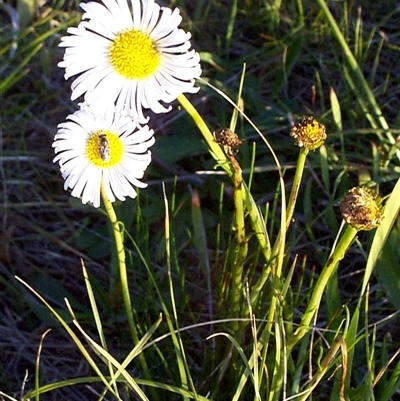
<point x="215" y="149"/>
<point x="319" y="288"/>
<point x="361" y="209"/>
<point x="242" y="247"/>
<point x="309" y="134"/>
<point x="223" y="161"/>
<point x="119" y="244"/>
<point x="230" y="143"/>
<point x="301" y="161"/>
<point x="223" y="146"/>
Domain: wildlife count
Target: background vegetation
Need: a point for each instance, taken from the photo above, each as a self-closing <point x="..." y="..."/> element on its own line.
<point x="295" y="65"/>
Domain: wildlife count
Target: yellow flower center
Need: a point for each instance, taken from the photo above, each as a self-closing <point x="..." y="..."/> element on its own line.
<point x="134" y="55"/>
<point x="309" y="133"/>
<point x="104" y="149"/>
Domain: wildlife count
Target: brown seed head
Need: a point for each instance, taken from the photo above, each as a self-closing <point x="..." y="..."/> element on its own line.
<point x="228" y="139"/>
<point x="362" y="208"/>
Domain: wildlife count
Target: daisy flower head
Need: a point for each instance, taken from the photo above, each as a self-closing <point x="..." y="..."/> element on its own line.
<point x="106" y="148"/>
<point x="131" y="55"/>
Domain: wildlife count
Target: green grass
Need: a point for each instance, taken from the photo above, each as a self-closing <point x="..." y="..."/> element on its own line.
<point x="231" y="297"/>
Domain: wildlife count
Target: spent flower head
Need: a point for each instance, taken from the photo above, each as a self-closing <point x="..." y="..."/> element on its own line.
<point x="228" y="139"/>
<point x="107" y="148"/>
<point x="362" y="208"/>
<point x="308" y="133"/>
<point x="131" y="55"/>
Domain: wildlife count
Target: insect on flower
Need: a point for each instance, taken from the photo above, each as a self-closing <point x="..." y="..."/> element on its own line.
<point x="104" y="148"/>
<point x="107" y="148"/>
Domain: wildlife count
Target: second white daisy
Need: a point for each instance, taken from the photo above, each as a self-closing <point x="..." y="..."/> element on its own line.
<point x="92" y="149"/>
<point x="133" y="57"/>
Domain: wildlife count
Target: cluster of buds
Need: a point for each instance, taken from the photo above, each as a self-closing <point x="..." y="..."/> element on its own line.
<point x="362" y="208"/>
<point x="308" y="133"/>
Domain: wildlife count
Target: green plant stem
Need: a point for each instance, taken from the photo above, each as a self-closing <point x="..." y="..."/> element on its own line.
<point x="216" y="151"/>
<point x="275" y="271"/>
<point x="232" y="167"/>
<point x="118" y="238"/>
<point x="119" y="244"/>
<point x="219" y="155"/>
<point x="257" y="222"/>
<point x="242" y="246"/>
<point x="319" y="288"/>
<point x="278" y="250"/>
<point x="323" y="367"/>
<point x="296" y="185"/>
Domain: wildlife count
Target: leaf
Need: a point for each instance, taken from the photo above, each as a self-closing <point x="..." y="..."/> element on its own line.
<point x="388" y="270"/>
<point x="26" y="10"/>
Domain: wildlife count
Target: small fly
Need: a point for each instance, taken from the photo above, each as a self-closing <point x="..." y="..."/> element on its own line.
<point x="104" y="148"/>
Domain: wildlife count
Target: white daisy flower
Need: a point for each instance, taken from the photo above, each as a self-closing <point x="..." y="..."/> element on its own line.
<point x="90" y="148"/>
<point x="134" y="57"/>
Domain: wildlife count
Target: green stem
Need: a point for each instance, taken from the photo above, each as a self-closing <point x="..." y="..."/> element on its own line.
<point x="319" y="288"/>
<point x="278" y="248"/>
<point x="242" y="247"/>
<point x="219" y="155"/>
<point x="119" y="244"/>
<point x="257" y="222"/>
<point x="274" y="269"/>
<point x="323" y="367"/>
<point x="216" y="151"/>
<point x="278" y="253"/>
<point x="296" y="185"/>
<point x="242" y="197"/>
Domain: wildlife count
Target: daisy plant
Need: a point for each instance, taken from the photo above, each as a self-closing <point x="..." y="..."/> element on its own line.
<point x="127" y="57"/>
<point x="104" y="156"/>
<point x="131" y="55"/>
